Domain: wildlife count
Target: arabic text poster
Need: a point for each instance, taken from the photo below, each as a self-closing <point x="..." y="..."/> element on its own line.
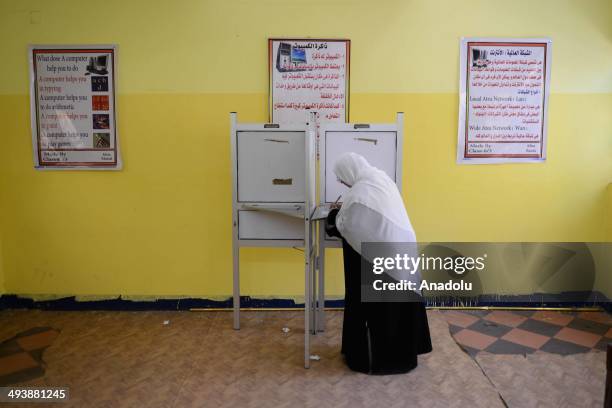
<point x="73" y="107"/>
<point x="308" y="74"/>
<point x="503" y="100"/>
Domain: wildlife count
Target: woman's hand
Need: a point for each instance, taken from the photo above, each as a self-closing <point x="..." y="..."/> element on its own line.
<point x="330" y="223"/>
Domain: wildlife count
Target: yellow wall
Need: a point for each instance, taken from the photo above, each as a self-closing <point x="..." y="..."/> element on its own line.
<point x="1" y="255"/>
<point x="1" y="269"/>
<point x="608" y="214"/>
<point x="604" y="280"/>
<point x="161" y="227"/>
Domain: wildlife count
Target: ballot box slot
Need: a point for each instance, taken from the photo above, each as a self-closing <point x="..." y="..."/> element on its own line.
<point x="365" y="139"/>
<point x="276" y="140"/>
<point x="282" y="182"/>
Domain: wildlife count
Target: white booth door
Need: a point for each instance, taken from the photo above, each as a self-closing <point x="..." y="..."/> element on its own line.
<point x="378" y="148"/>
<point x="271" y="166"/>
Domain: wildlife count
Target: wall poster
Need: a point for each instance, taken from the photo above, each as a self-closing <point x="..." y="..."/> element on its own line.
<point x="503" y="100"/>
<point x="308" y="74"/>
<point x="73" y="107"/>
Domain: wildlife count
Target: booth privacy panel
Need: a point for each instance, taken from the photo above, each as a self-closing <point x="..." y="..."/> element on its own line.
<point x="271" y="166"/>
<point x="378" y="147"/>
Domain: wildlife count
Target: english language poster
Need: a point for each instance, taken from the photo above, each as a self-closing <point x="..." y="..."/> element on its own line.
<point x="72" y="93"/>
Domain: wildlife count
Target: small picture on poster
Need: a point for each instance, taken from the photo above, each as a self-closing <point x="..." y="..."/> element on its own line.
<point x="308" y="75"/>
<point x="503" y="100"/>
<point x="72" y="93"/>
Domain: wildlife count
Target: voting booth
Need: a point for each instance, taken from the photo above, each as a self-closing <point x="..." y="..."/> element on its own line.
<point x="273" y="189"/>
<point x="274" y="193"/>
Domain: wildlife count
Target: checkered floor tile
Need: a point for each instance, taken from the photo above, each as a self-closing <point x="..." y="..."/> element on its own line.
<point x="21" y="356"/>
<point x="523" y="332"/>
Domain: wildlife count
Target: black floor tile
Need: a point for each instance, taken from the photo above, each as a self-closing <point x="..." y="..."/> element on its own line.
<point x="489" y="328"/>
<point x="589" y="326"/>
<point x="565" y="348"/>
<point x="507" y="347"/>
<point x="22" y="376"/>
<point x="540" y="327"/>
<point x="10" y="347"/>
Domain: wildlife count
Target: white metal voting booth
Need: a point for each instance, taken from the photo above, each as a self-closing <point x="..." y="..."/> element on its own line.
<point x="382" y="147"/>
<point x="273" y="189"/>
<point x="274" y="197"/>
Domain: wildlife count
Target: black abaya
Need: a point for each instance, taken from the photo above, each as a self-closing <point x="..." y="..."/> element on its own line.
<point x="378" y="337"/>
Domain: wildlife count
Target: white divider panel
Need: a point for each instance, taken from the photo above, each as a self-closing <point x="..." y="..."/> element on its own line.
<point x="378" y="147"/>
<point x="271" y="166"/>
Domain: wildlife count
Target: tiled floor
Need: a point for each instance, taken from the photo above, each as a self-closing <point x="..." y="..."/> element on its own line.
<point x="524" y="332"/>
<point x="129" y="359"/>
<point x="21" y="355"/>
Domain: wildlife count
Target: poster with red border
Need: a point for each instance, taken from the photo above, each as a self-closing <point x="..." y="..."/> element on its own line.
<point x="73" y="107"/>
<point x="308" y="74"/>
<point x="503" y="100"/>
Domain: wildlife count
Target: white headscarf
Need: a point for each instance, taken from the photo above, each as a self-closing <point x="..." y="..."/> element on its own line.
<point x="371" y="188"/>
<point x="372" y="209"/>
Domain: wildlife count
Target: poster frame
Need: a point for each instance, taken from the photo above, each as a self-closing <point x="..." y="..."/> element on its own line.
<point x="34" y="126"/>
<point x="463" y="103"/>
<point x="347" y="86"/>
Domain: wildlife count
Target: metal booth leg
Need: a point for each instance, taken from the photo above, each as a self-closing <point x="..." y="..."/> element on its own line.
<point x="236" y="289"/>
<point x="321" y="292"/>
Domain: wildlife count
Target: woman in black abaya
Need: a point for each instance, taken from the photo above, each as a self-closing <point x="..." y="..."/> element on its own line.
<point x="377" y="337"/>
